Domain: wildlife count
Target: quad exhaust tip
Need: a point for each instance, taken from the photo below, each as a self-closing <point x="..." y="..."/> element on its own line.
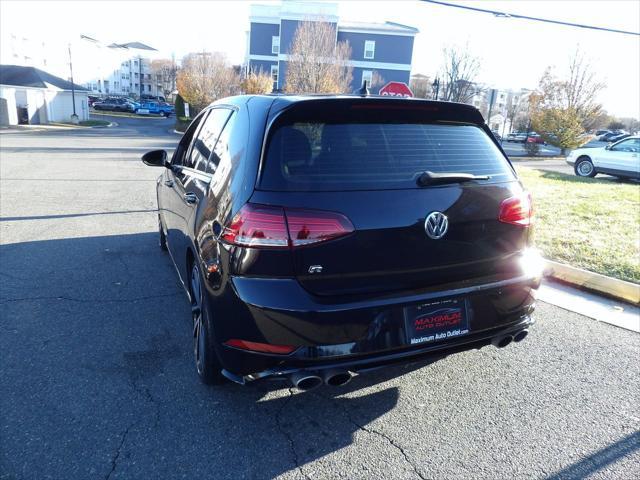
<point x="337" y="378"/>
<point x="306" y="381"/>
<point x="309" y="380"/>
<point x="505" y="340"/>
<point x="521" y="335"/>
<point x="502" y="342"/>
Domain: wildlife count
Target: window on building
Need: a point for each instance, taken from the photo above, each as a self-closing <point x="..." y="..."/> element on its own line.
<point x="148" y="88"/>
<point x="274" y="76"/>
<point x="136" y="75"/>
<point x="275" y="45"/>
<point x="369" y="49"/>
<point x="367" y="76"/>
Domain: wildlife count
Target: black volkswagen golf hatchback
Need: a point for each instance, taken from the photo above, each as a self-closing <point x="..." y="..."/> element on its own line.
<point x="321" y="236"/>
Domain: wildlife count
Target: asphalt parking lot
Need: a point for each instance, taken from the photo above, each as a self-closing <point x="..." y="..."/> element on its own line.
<point x="97" y="379"/>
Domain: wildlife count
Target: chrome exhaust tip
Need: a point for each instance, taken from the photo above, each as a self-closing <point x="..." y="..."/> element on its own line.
<point x="337" y="378"/>
<point x="521" y="335"/>
<point x="502" y="342"/>
<point x="305" y="381"/>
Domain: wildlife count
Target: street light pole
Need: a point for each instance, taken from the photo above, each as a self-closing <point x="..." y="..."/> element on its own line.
<point x="74" y="117"/>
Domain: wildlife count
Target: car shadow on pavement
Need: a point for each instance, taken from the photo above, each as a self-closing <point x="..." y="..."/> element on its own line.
<point x="108" y="324"/>
<point x="600" y="459"/>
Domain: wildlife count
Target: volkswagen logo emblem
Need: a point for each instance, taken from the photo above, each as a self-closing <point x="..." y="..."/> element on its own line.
<point x="436" y="225"/>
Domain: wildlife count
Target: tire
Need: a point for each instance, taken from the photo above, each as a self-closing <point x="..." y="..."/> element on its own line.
<point x="205" y="357"/>
<point x="163" y="237"/>
<point x="584" y="167"/>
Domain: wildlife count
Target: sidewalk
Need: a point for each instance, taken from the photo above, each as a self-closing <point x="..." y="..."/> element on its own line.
<point x="620" y="314"/>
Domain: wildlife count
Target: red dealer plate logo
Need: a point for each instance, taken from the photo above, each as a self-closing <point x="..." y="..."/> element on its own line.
<point x="396" y="89"/>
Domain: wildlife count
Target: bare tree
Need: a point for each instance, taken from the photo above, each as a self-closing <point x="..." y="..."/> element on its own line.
<point x="205" y="77"/>
<point x="578" y="91"/>
<point x="459" y="74"/>
<point x="317" y="64"/>
<point x="517" y="109"/>
<point x="164" y="71"/>
<point x="563" y="108"/>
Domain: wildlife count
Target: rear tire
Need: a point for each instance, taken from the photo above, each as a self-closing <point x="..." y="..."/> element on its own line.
<point x="206" y="360"/>
<point x="584" y="167"/>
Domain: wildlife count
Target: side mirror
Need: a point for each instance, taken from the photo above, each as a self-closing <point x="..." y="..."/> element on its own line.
<point x="156" y="158"/>
<point x="608" y="147"/>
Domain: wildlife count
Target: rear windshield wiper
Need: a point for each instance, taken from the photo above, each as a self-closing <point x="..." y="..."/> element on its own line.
<point x="430" y="178"/>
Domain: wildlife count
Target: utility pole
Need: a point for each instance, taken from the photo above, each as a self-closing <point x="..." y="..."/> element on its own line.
<point x="74" y="117"/>
<point x="491" y="100"/>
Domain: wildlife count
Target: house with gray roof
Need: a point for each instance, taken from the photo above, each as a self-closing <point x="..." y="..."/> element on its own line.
<point x="29" y="95"/>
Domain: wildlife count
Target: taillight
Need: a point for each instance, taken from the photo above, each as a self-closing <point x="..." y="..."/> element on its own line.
<point x="258" y="226"/>
<point x="260" y="347"/>
<point x="517" y="210"/>
<point x="308" y="226"/>
<point x="265" y="226"/>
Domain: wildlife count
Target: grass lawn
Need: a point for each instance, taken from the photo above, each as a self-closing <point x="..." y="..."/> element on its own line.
<point x="94" y="123"/>
<point x="591" y="223"/>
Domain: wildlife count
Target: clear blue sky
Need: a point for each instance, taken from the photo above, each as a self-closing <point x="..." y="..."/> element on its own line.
<point x="514" y="53"/>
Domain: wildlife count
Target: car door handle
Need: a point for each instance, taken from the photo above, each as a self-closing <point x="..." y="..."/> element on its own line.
<point x="168" y="183"/>
<point x="190" y="197"/>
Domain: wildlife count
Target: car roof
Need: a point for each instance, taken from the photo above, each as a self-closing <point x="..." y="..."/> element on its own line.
<point x="279" y="102"/>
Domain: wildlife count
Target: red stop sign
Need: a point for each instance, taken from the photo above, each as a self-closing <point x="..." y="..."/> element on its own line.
<point x="396" y="89"/>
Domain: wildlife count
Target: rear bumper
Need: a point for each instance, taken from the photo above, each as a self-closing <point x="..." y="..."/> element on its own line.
<point x="357" y="334"/>
<point x="358" y="364"/>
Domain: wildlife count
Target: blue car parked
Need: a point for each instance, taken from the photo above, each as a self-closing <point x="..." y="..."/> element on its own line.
<point x="156" y="108"/>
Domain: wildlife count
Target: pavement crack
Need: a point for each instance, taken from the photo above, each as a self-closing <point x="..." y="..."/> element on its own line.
<point x="288" y="436"/>
<point x="145" y="392"/>
<point x="86" y="300"/>
<point x="370" y="431"/>
<point x="114" y="460"/>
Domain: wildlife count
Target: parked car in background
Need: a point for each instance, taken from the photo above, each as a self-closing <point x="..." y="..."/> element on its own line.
<point x="621" y="159"/>
<point x="609" y="137"/>
<point x="155" y="108"/>
<point x="92" y="99"/>
<point x="517" y="137"/>
<point x="618" y="137"/>
<point x="535" y="138"/>
<point x="276" y="211"/>
<point x="115" y="104"/>
<point x="155" y="98"/>
<point x="599" y="133"/>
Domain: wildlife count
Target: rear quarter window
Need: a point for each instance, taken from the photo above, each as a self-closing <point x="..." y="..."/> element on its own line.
<point x="375" y="156"/>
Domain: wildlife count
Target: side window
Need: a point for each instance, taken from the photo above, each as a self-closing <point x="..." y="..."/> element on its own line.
<point x="206" y="139"/>
<point x="631" y="145"/>
<point x="183" y="147"/>
<point x="221" y="151"/>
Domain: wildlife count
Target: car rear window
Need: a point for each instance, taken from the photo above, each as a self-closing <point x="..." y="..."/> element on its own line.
<point x="375" y="156"/>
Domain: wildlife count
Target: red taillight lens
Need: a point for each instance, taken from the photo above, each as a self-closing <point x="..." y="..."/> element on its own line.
<point x="517" y="210"/>
<point x="265" y="226"/>
<point x="308" y="226"/>
<point x="260" y="347"/>
<point x="258" y="226"/>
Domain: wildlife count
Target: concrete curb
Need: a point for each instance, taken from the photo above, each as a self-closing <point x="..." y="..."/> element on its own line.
<point x="611" y="287"/>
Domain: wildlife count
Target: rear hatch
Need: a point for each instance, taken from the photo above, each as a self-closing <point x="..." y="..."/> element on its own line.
<point x="360" y="166"/>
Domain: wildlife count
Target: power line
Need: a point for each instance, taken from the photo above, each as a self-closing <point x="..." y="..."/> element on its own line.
<point x="525" y="17"/>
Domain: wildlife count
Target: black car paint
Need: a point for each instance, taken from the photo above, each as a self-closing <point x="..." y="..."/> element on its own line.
<point x="262" y="296"/>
